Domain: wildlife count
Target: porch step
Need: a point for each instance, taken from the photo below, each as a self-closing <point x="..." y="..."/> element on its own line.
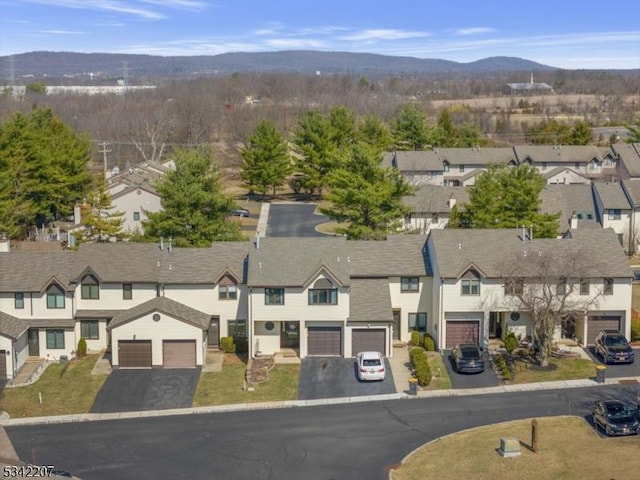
<point x="286" y="355"/>
<point x="258" y="369"/>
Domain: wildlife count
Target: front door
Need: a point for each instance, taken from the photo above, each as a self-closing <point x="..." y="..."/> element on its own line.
<point x="396" y="324"/>
<point x="290" y="335"/>
<point x="213" y="335"/>
<point x="34" y="342"/>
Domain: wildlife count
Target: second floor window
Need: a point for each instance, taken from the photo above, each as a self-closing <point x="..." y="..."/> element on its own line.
<point x="136" y="216"/>
<point x="55" y="297"/>
<point x="470" y="286"/>
<point x="227" y="292"/>
<point x="323" y="296"/>
<point x="409" y="284"/>
<point x="127" y="291"/>
<point x="614" y="214"/>
<point x="18" y="301"/>
<point x="514" y="286"/>
<point x="608" y="286"/>
<point x="585" y="286"/>
<point x="89" y="289"/>
<point x="274" y="296"/>
<point x="461" y="168"/>
<point x="561" y="287"/>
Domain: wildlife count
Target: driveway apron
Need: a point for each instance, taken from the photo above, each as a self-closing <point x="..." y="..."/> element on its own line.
<point x="129" y="390"/>
<point x="617" y="370"/>
<point x="333" y="377"/>
<point x="470" y="380"/>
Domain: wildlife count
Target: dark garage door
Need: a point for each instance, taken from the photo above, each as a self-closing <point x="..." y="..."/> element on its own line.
<point x="462" y="331"/>
<point x="595" y="324"/>
<point x="179" y="353"/>
<point x="3" y="365"/>
<point x="369" y="340"/>
<point x="134" y="353"/>
<point x="324" y="341"/>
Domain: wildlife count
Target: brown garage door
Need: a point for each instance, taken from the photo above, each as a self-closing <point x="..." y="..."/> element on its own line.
<point x="596" y="323"/>
<point x="369" y="340"/>
<point x="179" y="353"/>
<point x="134" y="353"/>
<point x="462" y="331"/>
<point x="3" y="365"/>
<point x="325" y="341"/>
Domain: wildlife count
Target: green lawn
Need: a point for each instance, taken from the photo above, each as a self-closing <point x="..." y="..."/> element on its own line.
<point x="226" y="387"/>
<point x="559" y="369"/>
<point x="440" y="378"/>
<point x="64" y="388"/>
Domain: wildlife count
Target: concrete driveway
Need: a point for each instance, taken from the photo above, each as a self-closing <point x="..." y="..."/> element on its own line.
<point x="470" y="380"/>
<point x="129" y="390"/>
<point x="619" y="370"/>
<point x="333" y="377"/>
<point x="294" y="220"/>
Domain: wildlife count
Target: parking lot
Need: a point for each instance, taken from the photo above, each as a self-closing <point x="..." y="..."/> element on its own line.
<point x="334" y="377"/>
<point x="294" y="220"/>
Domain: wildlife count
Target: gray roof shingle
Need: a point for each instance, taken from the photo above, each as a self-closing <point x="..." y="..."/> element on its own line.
<point x="629" y="155"/>
<point x="435" y="198"/>
<point x="164" y="305"/>
<point x="558" y="153"/>
<point x="477" y="156"/>
<point x="398" y="255"/>
<point x="370" y="300"/>
<point x="568" y="199"/>
<point x="11" y="326"/>
<point x="612" y="195"/>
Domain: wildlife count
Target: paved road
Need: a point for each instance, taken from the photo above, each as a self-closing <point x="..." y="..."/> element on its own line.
<point x="294" y="220"/>
<point x="338" y="442"/>
<point x="154" y="389"/>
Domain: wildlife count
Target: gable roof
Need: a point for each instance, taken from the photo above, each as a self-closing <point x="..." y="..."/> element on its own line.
<point x="165" y="305"/>
<point x="11" y="326"/>
<point x="292" y="261"/>
<point x="599" y="250"/>
<point x="558" y="153"/>
<point x="435" y="198"/>
<point x="413" y="161"/>
<point x="370" y="301"/>
<point x="632" y="188"/>
<point x="629" y="155"/>
<point x="611" y="195"/>
<point x="398" y="255"/>
<point x="476" y="156"/>
<point x="34" y="271"/>
<point x="568" y="199"/>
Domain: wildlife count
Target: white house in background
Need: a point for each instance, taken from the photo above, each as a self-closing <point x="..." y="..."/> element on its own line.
<point x="563" y="163"/>
<point x="613" y="210"/>
<point x="135" y="202"/>
<point x="470" y="302"/>
<point x="431" y="207"/>
<point x="462" y="165"/>
<point x="421" y="167"/>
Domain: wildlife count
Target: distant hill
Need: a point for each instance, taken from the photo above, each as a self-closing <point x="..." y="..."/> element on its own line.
<point x="108" y="65"/>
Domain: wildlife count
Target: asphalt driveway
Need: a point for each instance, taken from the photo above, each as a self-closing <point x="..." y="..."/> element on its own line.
<point x="619" y="370"/>
<point x="333" y="377"/>
<point x="470" y="380"/>
<point x="294" y="220"/>
<point x="129" y="390"/>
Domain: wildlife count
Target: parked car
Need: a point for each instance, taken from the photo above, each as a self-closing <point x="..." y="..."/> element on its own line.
<point x="613" y="347"/>
<point x="467" y="358"/>
<point x="240" y="212"/>
<point x="616" y="417"/>
<point x="371" y="366"/>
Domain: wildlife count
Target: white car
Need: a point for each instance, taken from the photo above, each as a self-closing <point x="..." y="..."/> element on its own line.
<point x="371" y="366"/>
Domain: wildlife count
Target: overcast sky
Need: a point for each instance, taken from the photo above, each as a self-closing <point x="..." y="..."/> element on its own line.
<point x="560" y="33"/>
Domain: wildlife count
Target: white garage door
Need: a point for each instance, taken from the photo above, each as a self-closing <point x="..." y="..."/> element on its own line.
<point x="179" y="353"/>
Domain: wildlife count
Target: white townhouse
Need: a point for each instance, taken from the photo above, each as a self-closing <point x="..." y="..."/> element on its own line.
<point x="565" y="164"/>
<point x="135" y="202"/>
<point x="472" y="303"/>
<point x="421" y="167"/>
<point x="431" y="207"/>
<point x="462" y="165"/>
<point x="614" y="210"/>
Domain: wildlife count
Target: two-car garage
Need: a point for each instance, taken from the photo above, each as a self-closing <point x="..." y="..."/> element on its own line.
<point x="175" y="354"/>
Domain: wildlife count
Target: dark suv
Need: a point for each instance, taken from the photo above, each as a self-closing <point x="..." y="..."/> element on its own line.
<point x="613" y="347"/>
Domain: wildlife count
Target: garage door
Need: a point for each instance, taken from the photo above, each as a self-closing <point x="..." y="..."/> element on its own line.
<point x="462" y="331"/>
<point x="369" y="340"/>
<point x="324" y="341"/>
<point x="595" y="324"/>
<point x="179" y="353"/>
<point x="134" y="353"/>
<point x="3" y="365"/>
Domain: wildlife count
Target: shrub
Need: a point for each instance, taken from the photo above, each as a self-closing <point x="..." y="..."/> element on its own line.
<point x="82" y="348"/>
<point x="635" y="327"/>
<point x="227" y="345"/>
<point x="510" y="341"/>
<point x="415" y="338"/>
<point x="429" y="343"/>
<point x="503" y="367"/>
<point x="420" y="366"/>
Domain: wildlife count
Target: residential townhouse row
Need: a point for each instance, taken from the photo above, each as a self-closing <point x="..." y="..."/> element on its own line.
<point x="158" y="306"/>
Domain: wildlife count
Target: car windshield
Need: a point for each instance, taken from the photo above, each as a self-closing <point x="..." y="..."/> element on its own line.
<point x="371" y="362"/>
<point x="616" y="341"/>
<point x="469" y="352"/>
<point x="620" y="411"/>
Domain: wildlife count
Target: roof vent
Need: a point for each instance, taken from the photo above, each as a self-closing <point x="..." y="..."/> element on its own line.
<point x="459" y="246"/>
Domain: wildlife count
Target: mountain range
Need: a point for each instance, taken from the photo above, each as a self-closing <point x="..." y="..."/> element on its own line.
<point x="109" y="65"/>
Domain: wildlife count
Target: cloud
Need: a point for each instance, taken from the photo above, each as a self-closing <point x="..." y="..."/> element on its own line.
<point x="62" y="32"/>
<point x="383" y="34"/>
<point x="295" y="43"/>
<point x="474" y="30"/>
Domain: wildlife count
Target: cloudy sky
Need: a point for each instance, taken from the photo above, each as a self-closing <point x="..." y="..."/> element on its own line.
<point x="560" y="33"/>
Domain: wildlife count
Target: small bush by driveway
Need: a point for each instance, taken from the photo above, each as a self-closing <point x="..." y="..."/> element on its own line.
<point x="470" y="380"/>
<point x="333" y="377"/>
<point x="153" y="389"/>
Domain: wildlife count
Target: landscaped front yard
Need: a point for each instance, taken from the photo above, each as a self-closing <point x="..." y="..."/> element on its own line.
<point x="64" y="388"/>
<point x="558" y="369"/>
<point x="227" y="386"/>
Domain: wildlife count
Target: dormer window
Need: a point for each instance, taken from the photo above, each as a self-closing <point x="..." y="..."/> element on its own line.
<point x="90" y="290"/>
<point x="323" y="293"/>
<point x="55" y="297"/>
<point x="227" y="289"/>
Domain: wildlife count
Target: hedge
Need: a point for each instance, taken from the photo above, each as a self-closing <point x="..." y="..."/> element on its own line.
<point x="227" y="345"/>
<point x="420" y="364"/>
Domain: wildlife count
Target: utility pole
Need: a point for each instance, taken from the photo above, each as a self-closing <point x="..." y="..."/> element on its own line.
<point x="104" y="152"/>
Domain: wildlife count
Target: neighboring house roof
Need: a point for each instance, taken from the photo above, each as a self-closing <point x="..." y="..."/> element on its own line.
<point x="629" y="155"/>
<point x="11" y="326"/>
<point x="292" y="261"/>
<point x="51" y="322"/>
<point x="370" y="300"/>
<point x="632" y="188"/>
<point x="558" y="153"/>
<point x="567" y="200"/>
<point x="612" y="196"/>
<point x="398" y="255"/>
<point x="134" y="189"/>
<point x="413" y="161"/>
<point x="435" y="198"/>
<point x="34" y="271"/>
<point x="476" y="156"/>
<point x="558" y="170"/>
<point x="488" y="249"/>
<point x="165" y="305"/>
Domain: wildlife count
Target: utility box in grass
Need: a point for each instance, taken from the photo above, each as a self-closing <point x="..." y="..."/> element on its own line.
<point x="509" y="447"/>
